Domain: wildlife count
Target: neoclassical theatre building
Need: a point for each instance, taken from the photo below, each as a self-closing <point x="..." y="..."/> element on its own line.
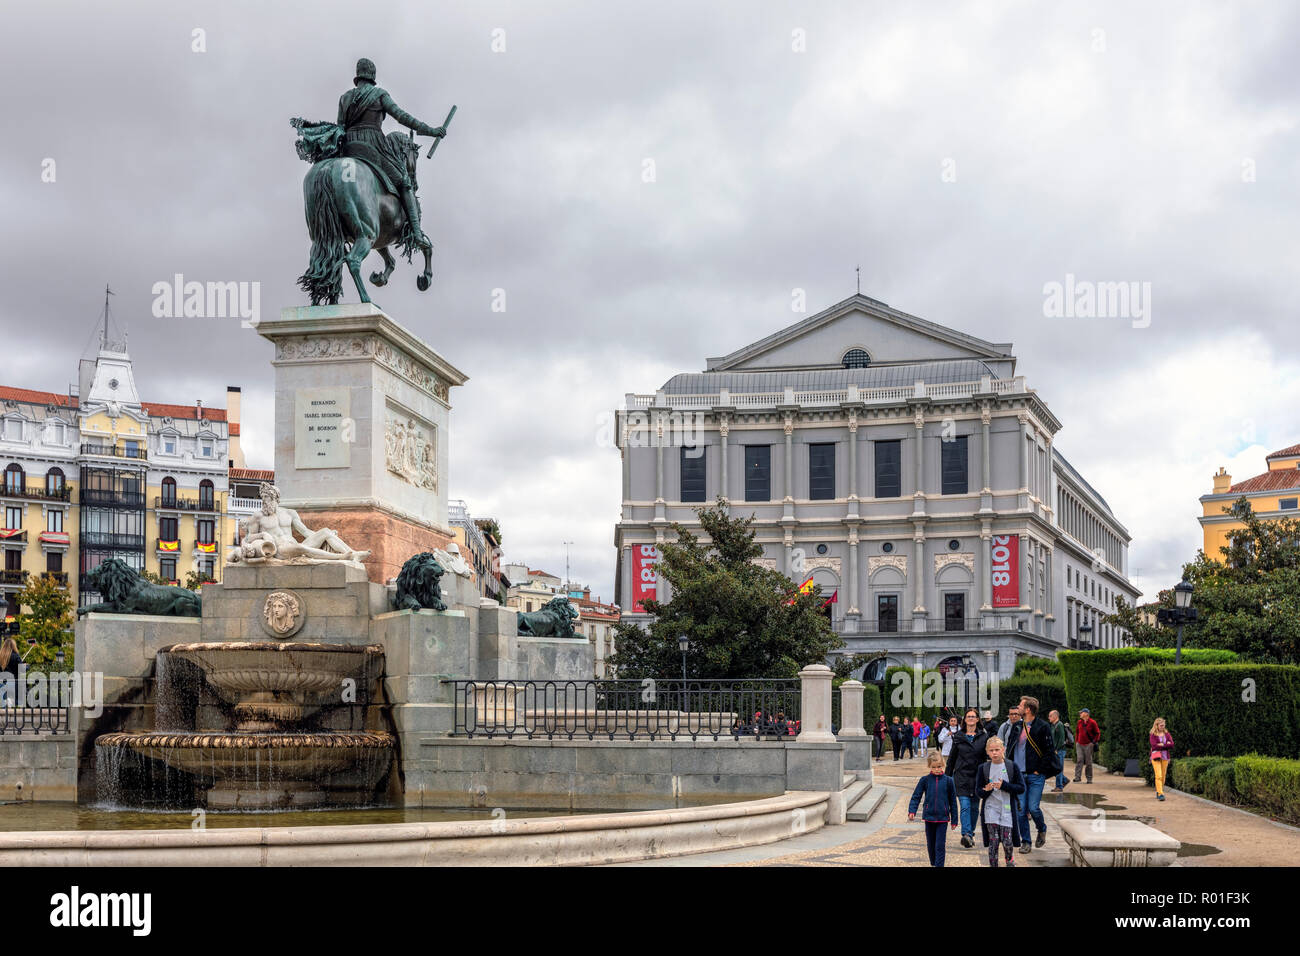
<point x="905" y="468"/>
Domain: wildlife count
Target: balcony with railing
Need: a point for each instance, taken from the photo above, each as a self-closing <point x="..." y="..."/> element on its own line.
<point x="13" y="577"/>
<point x="112" y="541"/>
<point x="177" y="503"/>
<point x="137" y="452"/>
<point x="37" y="492"/>
<point x="111" y="498"/>
<point x="940" y="625"/>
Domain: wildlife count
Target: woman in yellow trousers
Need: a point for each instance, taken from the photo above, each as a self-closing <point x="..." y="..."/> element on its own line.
<point x="1161" y="747"/>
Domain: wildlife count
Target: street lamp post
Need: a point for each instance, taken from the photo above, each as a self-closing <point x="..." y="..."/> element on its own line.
<point x="1180" y="614"/>
<point x="1085" y="633"/>
<point x="684" y="643"/>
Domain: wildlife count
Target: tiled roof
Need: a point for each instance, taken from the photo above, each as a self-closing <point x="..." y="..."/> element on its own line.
<point x="251" y="474"/>
<point x="1290" y="452"/>
<point x="156" y="409"/>
<point x="542" y="574"/>
<point x="36" y="398"/>
<point x="234" y="428"/>
<point x="1281" y="479"/>
<point x="183" y="411"/>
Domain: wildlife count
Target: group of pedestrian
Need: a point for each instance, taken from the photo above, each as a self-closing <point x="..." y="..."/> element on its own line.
<point x="769" y="724"/>
<point x="996" y="779"/>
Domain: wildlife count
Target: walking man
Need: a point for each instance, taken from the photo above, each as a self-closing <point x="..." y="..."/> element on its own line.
<point x="1061" y="739"/>
<point x="1086" y="737"/>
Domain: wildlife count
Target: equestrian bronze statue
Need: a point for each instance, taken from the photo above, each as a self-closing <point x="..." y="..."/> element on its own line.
<point x="360" y="191"/>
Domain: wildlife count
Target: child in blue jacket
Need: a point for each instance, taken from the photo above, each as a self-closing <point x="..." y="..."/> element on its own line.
<point x="940" y="807"/>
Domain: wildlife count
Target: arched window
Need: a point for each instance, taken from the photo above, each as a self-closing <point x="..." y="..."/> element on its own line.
<point x="169" y="492"/>
<point x="54" y="482"/>
<point x="856" y="358"/>
<point x="206" y="496"/>
<point x="15" y="480"/>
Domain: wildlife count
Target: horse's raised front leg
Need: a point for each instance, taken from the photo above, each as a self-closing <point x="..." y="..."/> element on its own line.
<point x="423" y="279"/>
<point x="381" y="278"/>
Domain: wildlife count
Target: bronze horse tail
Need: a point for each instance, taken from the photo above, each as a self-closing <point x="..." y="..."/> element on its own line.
<point x="329" y="246"/>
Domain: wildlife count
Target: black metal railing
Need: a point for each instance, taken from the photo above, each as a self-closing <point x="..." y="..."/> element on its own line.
<point x="14" y="576"/>
<point x="31" y="720"/>
<point x="107" y="498"/>
<point x="112" y="541"/>
<point x="114" y="451"/>
<point x="933" y="625"/>
<point x="627" y="709"/>
<point x="184" y="504"/>
<point x="38" y="492"/>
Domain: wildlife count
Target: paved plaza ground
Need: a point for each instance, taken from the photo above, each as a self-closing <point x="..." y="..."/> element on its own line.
<point x="1212" y="835"/>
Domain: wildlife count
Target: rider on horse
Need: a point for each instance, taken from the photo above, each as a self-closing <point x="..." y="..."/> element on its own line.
<point x="361" y="114"/>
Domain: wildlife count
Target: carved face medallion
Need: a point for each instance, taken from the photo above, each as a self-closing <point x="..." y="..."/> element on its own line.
<point x="282" y="614"/>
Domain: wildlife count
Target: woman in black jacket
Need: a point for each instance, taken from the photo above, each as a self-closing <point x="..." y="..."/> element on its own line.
<point x="964" y="760"/>
<point x="1000" y="786"/>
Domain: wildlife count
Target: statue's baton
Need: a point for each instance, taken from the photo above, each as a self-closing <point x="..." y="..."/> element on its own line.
<point x="445" y="124"/>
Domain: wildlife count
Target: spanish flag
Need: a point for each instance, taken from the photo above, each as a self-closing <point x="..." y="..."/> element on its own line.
<point x="805" y="588"/>
<point x="208" y="548"/>
<point x="169" y="545"/>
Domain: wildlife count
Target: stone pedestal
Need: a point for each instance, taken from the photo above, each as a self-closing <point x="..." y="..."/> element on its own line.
<point x="336" y="603"/>
<point x="361" y="415"/>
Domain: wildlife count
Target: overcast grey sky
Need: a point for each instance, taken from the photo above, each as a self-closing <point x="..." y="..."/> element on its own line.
<point x="962" y="154"/>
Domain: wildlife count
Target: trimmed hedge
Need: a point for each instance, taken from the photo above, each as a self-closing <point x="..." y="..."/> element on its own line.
<point x="1047" y="689"/>
<point x="1267" y="784"/>
<point x="1085" y="673"/>
<point x="870" y="706"/>
<point x="923" y="711"/>
<point x="1270" y="783"/>
<point x="1205" y="712"/>
<point x="1120" y="744"/>
<point x="1037" y="665"/>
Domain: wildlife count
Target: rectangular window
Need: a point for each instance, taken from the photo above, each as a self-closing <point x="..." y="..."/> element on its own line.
<point x="1287" y="504"/>
<point x="954" y="612"/>
<point x="169" y="446"/>
<point x="13" y="517"/>
<point x="206" y="532"/>
<point x="889" y="456"/>
<point x="207" y="449"/>
<point x="758" y="473"/>
<point x="132" y="448"/>
<point x="887" y="613"/>
<point x="692" y="468"/>
<point x="167" y="528"/>
<point x="167" y="569"/>
<point x="54" y="520"/>
<point x="54" y="561"/>
<point x="821" y="472"/>
<point x="13" y="559"/>
<point x="13" y="430"/>
<point x="952" y="455"/>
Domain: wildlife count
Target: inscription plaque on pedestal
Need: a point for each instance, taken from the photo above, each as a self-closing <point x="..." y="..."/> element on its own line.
<point x="321" y="424"/>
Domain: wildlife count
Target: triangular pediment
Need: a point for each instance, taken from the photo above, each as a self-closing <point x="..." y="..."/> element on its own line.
<point x="887" y="335"/>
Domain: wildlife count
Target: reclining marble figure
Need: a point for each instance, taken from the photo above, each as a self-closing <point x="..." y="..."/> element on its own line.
<point x="268" y="538"/>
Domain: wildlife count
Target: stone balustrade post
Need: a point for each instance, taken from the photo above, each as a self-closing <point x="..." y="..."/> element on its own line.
<point x="853" y="735"/>
<point x="815" y="705"/>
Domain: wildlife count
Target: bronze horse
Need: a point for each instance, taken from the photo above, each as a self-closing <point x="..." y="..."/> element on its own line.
<point x="349" y="214"/>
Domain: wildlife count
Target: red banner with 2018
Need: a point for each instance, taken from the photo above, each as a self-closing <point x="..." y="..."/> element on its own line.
<point x="1004" y="555"/>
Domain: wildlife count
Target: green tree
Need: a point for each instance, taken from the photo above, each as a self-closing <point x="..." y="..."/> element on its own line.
<point x="742" y="620"/>
<point x="1248" y="602"/>
<point x="47" y="622"/>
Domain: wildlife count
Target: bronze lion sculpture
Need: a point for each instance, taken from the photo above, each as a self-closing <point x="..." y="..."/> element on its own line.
<point x="126" y="592"/>
<point x="553" y="619"/>
<point x="418" y="585"/>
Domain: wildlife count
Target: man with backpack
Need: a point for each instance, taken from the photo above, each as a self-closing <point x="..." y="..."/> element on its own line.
<point x="1029" y="747"/>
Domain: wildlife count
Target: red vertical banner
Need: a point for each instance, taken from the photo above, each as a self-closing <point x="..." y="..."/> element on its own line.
<point x="645" y="575"/>
<point x="1004" y="562"/>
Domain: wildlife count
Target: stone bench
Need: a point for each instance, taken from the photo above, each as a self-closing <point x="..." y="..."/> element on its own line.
<point x="1117" y="843"/>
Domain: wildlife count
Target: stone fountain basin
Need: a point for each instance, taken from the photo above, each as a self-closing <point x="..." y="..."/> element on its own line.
<point x="306" y="670"/>
<point x="216" y="756"/>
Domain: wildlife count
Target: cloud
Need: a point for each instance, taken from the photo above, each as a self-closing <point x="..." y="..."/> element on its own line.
<point x="1153" y="143"/>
